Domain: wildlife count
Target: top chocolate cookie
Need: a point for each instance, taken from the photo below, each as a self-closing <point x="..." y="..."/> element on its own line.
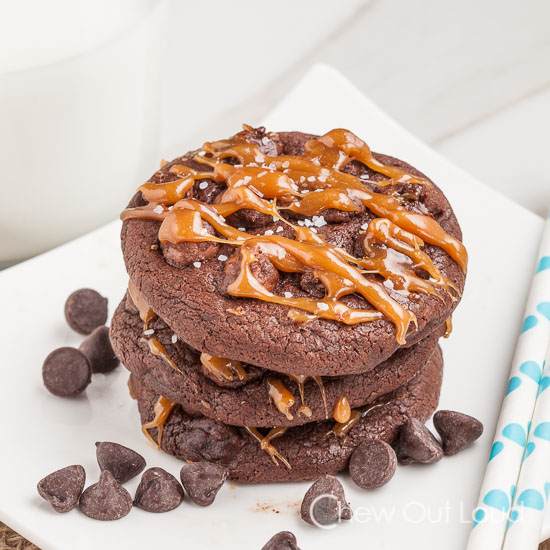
<point x="293" y="252"/>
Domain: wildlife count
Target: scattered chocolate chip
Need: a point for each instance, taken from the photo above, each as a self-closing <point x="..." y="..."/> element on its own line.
<point x="325" y="502"/>
<point x="85" y="309"/>
<point x="97" y="348"/>
<point x="63" y="488"/>
<point x="106" y="500"/>
<point x="417" y="444"/>
<point x="372" y="464"/>
<point x="284" y="540"/>
<point x="158" y="491"/>
<point x="66" y="372"/>
<point x="121" y="461"/>
<point x="457" y="430"/>
<point x="202" y="481"/>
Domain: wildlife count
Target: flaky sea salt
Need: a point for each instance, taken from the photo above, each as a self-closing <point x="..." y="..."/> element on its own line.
<point x="279" y="229"/>
<point x="289" y="295"/>
<point x="222" y="258"/>
<point x="203" y="185"/>
<point x="197" y="264"/>
<point x="322" y="306"/>
<point x="148" y="332"/>
<point x="241" y="228"/>
<point x="158" y="209"/>
<point x="268" y="232"/>
<point x="364" y="226"/>
<point x="319" y="221"/>
<point x="174" y="338"/>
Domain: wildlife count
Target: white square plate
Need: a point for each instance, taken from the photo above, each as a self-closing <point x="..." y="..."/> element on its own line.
<point x="422" y="507"/>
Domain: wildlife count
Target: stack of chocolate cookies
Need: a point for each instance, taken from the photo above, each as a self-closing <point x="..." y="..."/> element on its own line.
<point x="287" y="294"/>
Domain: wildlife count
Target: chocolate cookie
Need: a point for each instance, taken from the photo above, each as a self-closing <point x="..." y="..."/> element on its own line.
<point x="194" y="297"/>
<point x="250" y="403"/>
<point x="309" y="451"/>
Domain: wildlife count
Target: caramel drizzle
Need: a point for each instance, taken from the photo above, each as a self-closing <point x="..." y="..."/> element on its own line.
<point x="265" y="443"/>
<point x="223" y="369"/>
<point x="146" y="314"/>
<point x="281" y="396"/>
<point x="300" y="380"/>
<point x="448" y="327"/>
<point x="341" y="429"/>
<point x="162" y="409"/>
<point x="159" y="350"/>
<point x="342" y="410"/>
<point x="309" y="184"/>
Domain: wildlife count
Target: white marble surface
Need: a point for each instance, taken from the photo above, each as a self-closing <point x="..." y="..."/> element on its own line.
<point x="471" y="78"/>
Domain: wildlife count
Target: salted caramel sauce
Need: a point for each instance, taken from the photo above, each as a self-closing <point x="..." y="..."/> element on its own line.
<point x="265" y="443"/>
<point x="309" y="174"/>
<point x="146" y="314"/>
<point x="342" y="410"/>
<point x="159" y="350"/>
<point x="281" y="396"/>
<point x="223" y="369"/>
<point x="300" y="380"/>
<point x="309" y="184"/>
<point x="131" y="389"/>
<point x="162" y="409"/>
<point x="341" y="429"/>
<point x="448" y="327"/>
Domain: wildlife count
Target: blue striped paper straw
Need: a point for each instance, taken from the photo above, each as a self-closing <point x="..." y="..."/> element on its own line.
<point x="533" y="486"/>
<point x="497" y="496"/>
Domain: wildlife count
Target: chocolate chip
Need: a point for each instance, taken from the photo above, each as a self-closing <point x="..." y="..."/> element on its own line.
<point x="372" y="464"/>
<point x="122" y="462"/>
<point x="284" y="540"/>
<point x="457" y="430"/>
<point x="183" y="254"/>
<point x="261" y="268"/>
<point x="62" y="488"/>
<point x="417" y="444"/>
<point x="106" y="500"/>
<point x="97" y="348"/>
<point x="66" y="372"/>
<point x="211" y="441"/>
<point x="158" y="491"/>
<point x="85" y="309"/>
<point x="202" y="481"/>
<point x="325" y="502"/>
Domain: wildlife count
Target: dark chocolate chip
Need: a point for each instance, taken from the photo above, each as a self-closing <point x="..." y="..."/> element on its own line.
<point x="158" y="491"/>
<point x="63" y="488"/>
<point x="417" y="444"/>
<point x="457" y="430"/>
<point x="211" y="441"/>
<point x="325" y="502"/>
<point x="183" y="254"/>
<point x="372" y="464"/>
<point x="106" y="500"/>
<point x="85" y="309"/>
<point x="121" y="461"/>
<point x="66" y="372"/>
<point x="202" y="481"/>
<point x="97" y="348"/>
<point x="284" y="540"/>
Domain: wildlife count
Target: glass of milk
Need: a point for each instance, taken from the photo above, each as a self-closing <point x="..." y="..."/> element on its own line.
<point x="79" y="115"/>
